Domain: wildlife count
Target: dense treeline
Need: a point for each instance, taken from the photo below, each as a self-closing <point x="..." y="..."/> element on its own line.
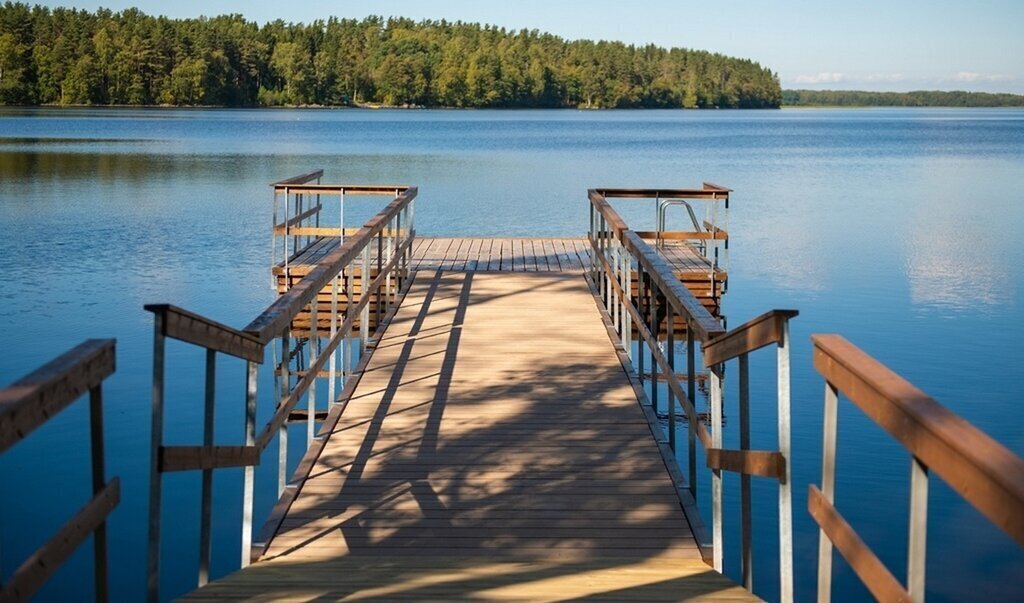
<point x="67" y="56"/>
<point x="920" y="98"/>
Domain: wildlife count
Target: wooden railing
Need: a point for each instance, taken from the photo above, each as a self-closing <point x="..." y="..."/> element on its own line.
<point x="299" y="214"/>
<point x="771" y="328"/>
<point x="620" y="257"/>
<point x="390" y="235"/>
<point x="709" y="237"/>
<point x="32" y="401"/>
<point x="979" y="469"/>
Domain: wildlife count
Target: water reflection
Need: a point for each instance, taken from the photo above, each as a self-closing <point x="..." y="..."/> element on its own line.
<point x="877" y="224"/>
<point x="957" y="268"/>
<point x="958" y="252"/>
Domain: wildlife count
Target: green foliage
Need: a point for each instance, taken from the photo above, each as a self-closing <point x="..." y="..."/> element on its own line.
<point x="920" y="98"/>
<point x="70" y="56"/>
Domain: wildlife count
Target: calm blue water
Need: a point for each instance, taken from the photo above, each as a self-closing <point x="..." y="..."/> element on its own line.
<point x="900" y="229"/>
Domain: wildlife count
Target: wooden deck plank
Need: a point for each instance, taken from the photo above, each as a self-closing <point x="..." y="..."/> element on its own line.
<point x="473" y="462"/>
<point x="452" y="576"/>
<point x="508" y="259"/>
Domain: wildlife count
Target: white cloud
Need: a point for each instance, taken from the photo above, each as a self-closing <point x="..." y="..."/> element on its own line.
<point x="885" y="77"/>
<point x="972" y="77"/>
<point x="820" y="78"/>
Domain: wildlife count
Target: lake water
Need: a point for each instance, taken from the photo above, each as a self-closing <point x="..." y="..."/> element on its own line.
<point x="898" y="228"/>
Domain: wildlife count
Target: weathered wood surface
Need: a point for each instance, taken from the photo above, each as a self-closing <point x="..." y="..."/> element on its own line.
<point x="508" y="255"/>
<point x="493" y="448"/>
<point x="752" y="335"/>
<point x="39" y="396"/>
<point x="514" y="255"/>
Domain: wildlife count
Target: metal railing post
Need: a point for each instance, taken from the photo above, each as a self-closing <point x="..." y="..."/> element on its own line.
<point x="641" y="288"/>
<point x="155" y="476"/>
<point x="746" y="533"/>
<point x="786" y="483"/>
<point x="248" y="474"/>
<point x="671" y="398"/>
<point x="691" y="391"/>
<point x="624" y="300"/>
<point x="613" y="262"/>
<point x="828" y="484"/>
<point x="655" y="332"/>
<point x="332" y="375"/>
<point x="605" y="286"/>
<point x="314" y="344"/>
<point x="282" y="431"/>
<point x="287" y="258"/>
<point x="206" y="501"/>
<point x="716" y="474"/>
<point x="918" y="530"/>
<point x="350" y="303"/>
<point x="387" y="277"/>
<point x="591" y="233"/>
<point x="380" y="269"/>
<point x="273" y="239"/>
<point x="364" y="317"/>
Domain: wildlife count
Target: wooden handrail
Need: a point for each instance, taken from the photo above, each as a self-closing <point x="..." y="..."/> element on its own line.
<point x="348" y="189"/>
<point x="752" y="335"/>
<point x="300" y="179"/>
<point x="193" y="328"/>
<point x="28" y="403"/>
<point x="37" y="397"/>
<point x="684" y="235"/>
<point x="710" y="191"/>
<point x="704" y="325"/>
<point x="868" y="567"/>
<point x="273" y="320"/>
<point x="249" y="342"/>
<point x="638" y="289"/>
<point x="982" y="471"/>
<point x="33" y="573"/>
<point x="288" y="403"/>
<point x="615" y="221"/>
<point x="295" y="220"/>
<point x="711" y="186"/>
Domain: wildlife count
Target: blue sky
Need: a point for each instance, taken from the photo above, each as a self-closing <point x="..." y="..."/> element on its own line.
<point x="861" y="44"/>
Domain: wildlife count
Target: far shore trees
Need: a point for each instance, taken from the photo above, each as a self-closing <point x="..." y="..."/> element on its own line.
<point x="75" y="57"/>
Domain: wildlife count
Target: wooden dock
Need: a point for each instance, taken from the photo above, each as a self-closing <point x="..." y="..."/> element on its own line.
<point x="494" y="448"/>
<point x="491" y="432"/>
<point x="510" y="254"/>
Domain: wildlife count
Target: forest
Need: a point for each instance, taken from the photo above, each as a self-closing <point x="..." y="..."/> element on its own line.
<point x="920" y="98"/>
<point x="66" y="56"/>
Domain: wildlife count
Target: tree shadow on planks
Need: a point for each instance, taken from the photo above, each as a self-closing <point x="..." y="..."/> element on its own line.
<point x="461" y="578"/>
<point x="482" y="451"/>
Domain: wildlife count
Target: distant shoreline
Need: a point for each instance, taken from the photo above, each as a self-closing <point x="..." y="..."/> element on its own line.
<point x="916" y="98"/>
<point x="58" y="107"/>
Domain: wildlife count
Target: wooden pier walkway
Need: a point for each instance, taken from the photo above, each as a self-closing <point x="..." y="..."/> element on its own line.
<point x="494" y="448"/>
<point x="497" y="436"/>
